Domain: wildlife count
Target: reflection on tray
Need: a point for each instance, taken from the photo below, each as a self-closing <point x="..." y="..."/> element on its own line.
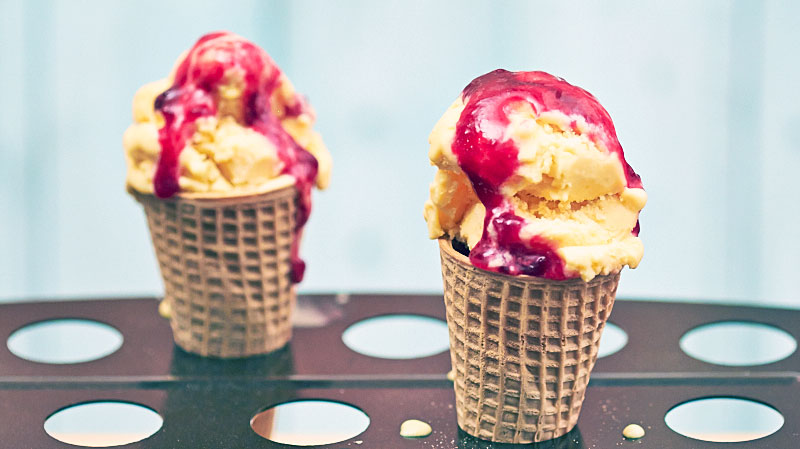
<point x="572" y="440"/>
<point x="276" y="364"/>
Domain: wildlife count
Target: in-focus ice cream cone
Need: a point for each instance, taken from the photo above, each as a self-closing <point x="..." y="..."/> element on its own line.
<point x="522" y="348"/>
<point x="226" y="265"/>
<point x="223" y="157"/>
<point x="534" y="191"/>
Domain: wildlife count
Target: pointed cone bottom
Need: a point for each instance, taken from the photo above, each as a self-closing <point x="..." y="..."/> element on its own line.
<point x="522" y="348"/>
<point x="226" y="266"/>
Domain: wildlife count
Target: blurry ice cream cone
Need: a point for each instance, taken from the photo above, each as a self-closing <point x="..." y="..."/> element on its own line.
<point x="222" y="155"/>
<point x="226" y="266"/>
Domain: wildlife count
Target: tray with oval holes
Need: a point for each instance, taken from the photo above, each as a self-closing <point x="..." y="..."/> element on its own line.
<point x="106" y="373"/>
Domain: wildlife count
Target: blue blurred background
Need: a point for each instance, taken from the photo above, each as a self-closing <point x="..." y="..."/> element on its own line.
<point x="705" y="97"/>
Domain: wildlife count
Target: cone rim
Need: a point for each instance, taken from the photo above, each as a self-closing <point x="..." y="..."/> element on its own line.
<point x="446" y="249"/>
<point x="272" y="186"/>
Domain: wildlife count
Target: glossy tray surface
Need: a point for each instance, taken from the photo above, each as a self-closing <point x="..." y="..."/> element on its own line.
<point x="209" y="403"/>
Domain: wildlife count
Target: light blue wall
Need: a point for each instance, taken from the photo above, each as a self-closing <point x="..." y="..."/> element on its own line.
<point x="705" y="96"/>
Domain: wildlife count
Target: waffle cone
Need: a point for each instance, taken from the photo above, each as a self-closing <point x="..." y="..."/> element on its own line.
<point x="226" y="264"/>
<point x="522" y="348"/>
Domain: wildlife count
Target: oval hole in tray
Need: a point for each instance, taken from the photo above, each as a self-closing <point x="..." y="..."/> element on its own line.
<point x="103" y="424"/>
<point x="724" y="419"/>
<point x="738" y="343"/>
<point x="64" y="341"/>
<point x="398" y="336"/>
<point x="310" y="422"/>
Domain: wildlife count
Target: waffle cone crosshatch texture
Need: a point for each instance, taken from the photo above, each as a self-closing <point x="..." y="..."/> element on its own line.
<point x="522" y="348"/>
<point x="226" y="266"/>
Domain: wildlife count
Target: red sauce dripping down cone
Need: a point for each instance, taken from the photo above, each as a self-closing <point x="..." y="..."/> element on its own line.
<point x="193" y="96"/>
<point x="488" y="160"/>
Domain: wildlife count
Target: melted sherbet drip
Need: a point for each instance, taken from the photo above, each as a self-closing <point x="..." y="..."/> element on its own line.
<point x="488" y="160"/>
<point x="193" y="95"/>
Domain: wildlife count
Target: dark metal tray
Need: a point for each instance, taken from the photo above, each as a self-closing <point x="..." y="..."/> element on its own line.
<point x="209" y="403"/>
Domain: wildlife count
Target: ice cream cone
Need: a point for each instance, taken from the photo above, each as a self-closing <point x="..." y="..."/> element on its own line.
<point x="225" y="262"/>
<point x="522" y="348"/>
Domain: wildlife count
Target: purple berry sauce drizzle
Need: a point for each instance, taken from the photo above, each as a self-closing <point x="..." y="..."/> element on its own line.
<point x="193" y="96"/>
<point x="489" y="160"/>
